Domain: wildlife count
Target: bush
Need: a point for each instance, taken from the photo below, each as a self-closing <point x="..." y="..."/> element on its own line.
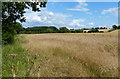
<point x="7" y="38"/>
<point x="8" y="34"/>
<point x="17" y="64"/>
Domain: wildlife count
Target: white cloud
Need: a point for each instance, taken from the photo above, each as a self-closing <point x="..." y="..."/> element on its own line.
<point x="51" y="13"/>
<point x="45" y="17"/>
<point x="81" y="6"/>
<point x="76" y="23"/>
<point x="113" y="11"/>
<point x="33" y="17"/>
<point x="49" y="18"/>
<point x="76" y="9"/>
<point x="91" y="24"/>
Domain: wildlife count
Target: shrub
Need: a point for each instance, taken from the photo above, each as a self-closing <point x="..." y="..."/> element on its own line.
<point x="8" y="34"/>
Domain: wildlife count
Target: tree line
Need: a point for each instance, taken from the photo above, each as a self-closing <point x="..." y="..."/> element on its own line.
<point x="53" y="29"/>
<point x="47" y="29"/>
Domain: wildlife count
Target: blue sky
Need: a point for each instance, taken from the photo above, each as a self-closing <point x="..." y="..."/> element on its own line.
<point x="74" y="15"/>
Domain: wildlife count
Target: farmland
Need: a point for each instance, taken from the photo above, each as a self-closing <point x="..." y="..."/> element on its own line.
<point x="73" y="55"/>
<point x="59" y="39"/>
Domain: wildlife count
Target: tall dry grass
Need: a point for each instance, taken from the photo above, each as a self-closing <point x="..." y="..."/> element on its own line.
<point x="73" y="55"/>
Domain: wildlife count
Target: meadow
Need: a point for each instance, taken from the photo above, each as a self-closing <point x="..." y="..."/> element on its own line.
<point x="63" y="55"/>
<point x="66" y="42"/>
<point x="73" y="55"/>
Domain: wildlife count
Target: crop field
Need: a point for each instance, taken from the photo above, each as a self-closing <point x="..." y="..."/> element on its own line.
<point x="73" y="55"/>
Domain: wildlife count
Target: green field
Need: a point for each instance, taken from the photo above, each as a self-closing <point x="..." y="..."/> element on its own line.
<point x="62" y="54"/>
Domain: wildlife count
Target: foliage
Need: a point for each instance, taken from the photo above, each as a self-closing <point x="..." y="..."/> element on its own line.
<point x="101" y="28"/>
<point x="8" y="34"/>
<point x="48" y="29"/>
<point x="76" y="31"/>
<point x="53" y="29"/>
<point x="114" y="26"/>
<point x="42" y="29"/>
<point x="17" y="26"/>
<point x="13" y="65"/>
<point x="12" y="11"/>
<point x="93" y="30"/>
<point x="63" y="30"/>
<point x="118" y="27"/>
<point x="16" y="60"/>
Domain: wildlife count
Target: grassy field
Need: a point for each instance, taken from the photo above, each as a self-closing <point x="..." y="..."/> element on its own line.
<point x="62" y="54"/>
<point x="15" y="61"/>
<point x="73" y="55"/>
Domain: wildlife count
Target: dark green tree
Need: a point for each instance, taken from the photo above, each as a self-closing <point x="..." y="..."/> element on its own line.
<point x="114" y="27"/>
<point x="118" y="26"/>
<point x="64" y="30"/>
<point x="72" y="31"/>
<point x="12" y="11"/>
<point x="18" y="27"/>
<point x="93" y="30"/>
<point x="78" y="31"/>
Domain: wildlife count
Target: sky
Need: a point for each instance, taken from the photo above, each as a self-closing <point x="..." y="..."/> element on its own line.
<point x="74" y="15"/>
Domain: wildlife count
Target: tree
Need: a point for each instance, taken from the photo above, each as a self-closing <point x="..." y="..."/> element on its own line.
<point x="118" y="26"/>
<point x="114" y="27"/>
<point x="72" y="31"/>
<point x="63" y="30"/>
<point x="12" y="11"/>
<point x="55" y="30"/>
<point x="78" y="31"/>
<point x="93" y="30"/>
<point x="97" y="28"/>
<point x="18" y="27"/>
<point x="101" y="27"/>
